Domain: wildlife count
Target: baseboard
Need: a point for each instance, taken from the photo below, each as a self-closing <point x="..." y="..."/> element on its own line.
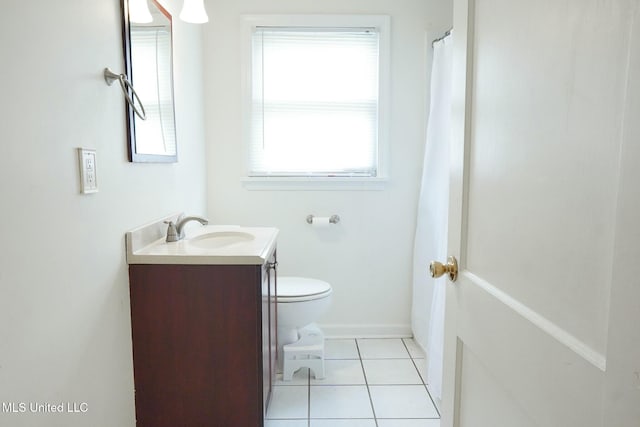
<point x="366" y="331"/>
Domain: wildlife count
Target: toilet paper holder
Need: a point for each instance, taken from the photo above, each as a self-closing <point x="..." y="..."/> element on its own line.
<point x="333" y="219"/>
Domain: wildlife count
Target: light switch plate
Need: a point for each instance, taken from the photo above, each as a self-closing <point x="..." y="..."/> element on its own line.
<point x="88" y="170"/>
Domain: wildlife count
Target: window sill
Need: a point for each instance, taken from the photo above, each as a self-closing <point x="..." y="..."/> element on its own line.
<point x="314" y="183"/>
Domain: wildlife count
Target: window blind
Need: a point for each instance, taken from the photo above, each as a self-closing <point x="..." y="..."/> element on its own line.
<point x="314" y="109"/>
<point x="151" y="56"/>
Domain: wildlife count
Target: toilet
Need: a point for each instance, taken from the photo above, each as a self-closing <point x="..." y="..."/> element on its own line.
<point x="301" y="301"/>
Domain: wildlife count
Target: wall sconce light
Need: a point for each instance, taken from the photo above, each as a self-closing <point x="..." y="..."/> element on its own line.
<point x="193" y="12"/>
<point x="139" y="12"/>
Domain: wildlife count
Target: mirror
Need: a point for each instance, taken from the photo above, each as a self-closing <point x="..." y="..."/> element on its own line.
<point x="149" y="66"/>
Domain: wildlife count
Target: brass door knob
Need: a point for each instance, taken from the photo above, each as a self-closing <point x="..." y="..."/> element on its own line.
<point x="437" y="269"/>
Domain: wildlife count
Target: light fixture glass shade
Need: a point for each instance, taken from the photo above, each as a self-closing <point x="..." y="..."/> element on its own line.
<point x="193" y="11"/>
<point x="139" y="12"/>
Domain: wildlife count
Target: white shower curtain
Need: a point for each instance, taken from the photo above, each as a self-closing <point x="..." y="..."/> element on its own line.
<point x="431" y="228"/>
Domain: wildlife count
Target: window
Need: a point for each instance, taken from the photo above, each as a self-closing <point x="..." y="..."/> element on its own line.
<point x="315" y="105"/>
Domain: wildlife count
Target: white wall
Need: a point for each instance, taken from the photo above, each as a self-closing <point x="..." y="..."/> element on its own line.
<point x="64" y="301"/>
<point x="368" y="256"/>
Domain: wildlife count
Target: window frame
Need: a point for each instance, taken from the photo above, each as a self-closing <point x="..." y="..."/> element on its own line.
<point x="382" y="24"/>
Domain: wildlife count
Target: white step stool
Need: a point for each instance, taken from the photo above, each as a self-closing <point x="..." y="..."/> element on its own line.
<point x="307" y="352"/>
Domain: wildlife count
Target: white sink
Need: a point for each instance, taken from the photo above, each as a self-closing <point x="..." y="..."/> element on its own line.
<point x="209" y="244"/>
<point x="219" y="239"/>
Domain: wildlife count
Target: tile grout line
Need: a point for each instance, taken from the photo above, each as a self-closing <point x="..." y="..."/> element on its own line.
<point x="368" y="385"/>
<point x="424" y="380"/>
<point x="366" y="381"/>
<point x="413" y="361"/>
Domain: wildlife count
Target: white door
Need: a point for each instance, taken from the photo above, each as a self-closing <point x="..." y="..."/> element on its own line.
<point x="542" y="324"/>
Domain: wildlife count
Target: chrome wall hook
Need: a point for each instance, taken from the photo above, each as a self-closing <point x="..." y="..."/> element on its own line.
<point x="110" y="76"/>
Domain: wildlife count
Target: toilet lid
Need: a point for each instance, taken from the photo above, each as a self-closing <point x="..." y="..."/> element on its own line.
<point x="292" y="287"/>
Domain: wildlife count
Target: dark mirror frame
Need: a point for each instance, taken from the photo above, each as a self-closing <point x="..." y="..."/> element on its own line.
<point x="134" y="156"/>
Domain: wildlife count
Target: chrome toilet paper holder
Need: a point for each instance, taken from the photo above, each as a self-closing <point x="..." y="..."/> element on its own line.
<point x="333" y="219"/>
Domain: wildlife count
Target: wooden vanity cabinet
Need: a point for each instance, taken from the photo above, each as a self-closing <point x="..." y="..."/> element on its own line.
<point x="204" y="343"/>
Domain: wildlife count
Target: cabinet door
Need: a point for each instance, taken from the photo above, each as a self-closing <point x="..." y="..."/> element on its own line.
<point x="269" y="320"/>
<point x="266" y="339"/>
<point x="197" y="342"/>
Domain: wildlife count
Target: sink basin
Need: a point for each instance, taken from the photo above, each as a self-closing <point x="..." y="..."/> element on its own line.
<point x="219" y="239"/>
<point x="207" y="245"/>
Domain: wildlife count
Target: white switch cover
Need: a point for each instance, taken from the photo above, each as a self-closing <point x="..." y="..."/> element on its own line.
<point x="88" y="171"/>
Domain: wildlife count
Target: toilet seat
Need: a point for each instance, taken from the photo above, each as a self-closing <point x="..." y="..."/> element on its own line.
<point x="296" y="289"/>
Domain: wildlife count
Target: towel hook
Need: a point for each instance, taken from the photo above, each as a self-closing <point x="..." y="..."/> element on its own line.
<point x="110" y="77"/>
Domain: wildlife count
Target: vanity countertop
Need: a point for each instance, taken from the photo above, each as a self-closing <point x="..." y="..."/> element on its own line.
<point x="205" y="245"/>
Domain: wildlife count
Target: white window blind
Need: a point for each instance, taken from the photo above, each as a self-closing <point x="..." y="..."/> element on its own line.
<point x="151" y="58"/>
<point x="314" y="106"/>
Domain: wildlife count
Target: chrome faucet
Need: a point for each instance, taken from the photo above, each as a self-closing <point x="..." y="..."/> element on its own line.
<point x="175" y="231"/>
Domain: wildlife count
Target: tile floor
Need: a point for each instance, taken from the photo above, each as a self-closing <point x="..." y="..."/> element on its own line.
<point x="369" y="383"/>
